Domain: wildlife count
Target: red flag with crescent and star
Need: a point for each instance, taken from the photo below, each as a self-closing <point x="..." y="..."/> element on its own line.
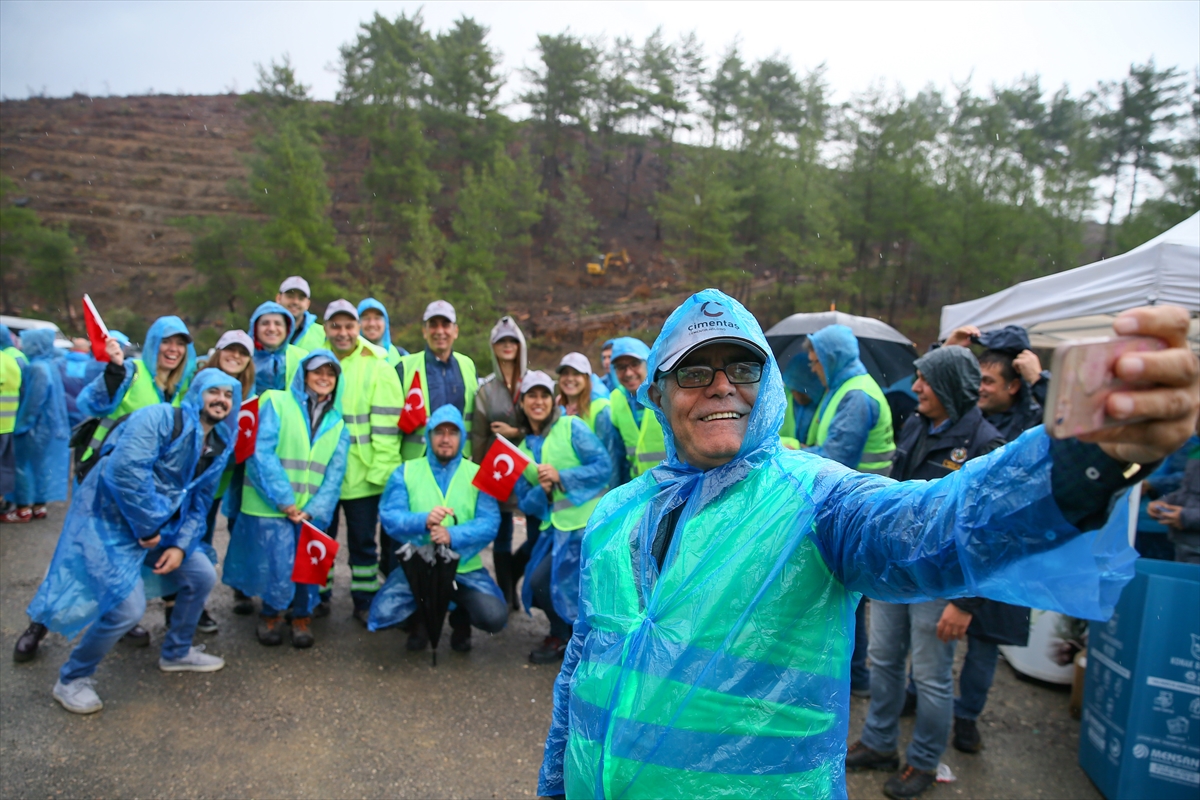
<point x="314" y="556"/>
<point x="500" y="468"/>
<point x="413" y="416"/>
<point x="247" y="431"/>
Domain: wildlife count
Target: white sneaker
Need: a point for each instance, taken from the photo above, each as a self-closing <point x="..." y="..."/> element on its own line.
<point x="196" y="660"/>
<point x="78" y="696"/>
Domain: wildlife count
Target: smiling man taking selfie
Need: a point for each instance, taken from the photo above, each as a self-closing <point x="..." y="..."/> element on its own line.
<point x="711" y="652"/>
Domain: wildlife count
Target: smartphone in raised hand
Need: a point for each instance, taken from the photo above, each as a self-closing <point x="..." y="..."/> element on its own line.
<point x="1082" y="379"/>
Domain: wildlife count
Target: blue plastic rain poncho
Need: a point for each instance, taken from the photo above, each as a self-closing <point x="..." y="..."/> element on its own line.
<point x="580" y="485"/>
<point x="837" y="348"/>
<point x="270" y="366"/>
<point x="608" y="379"/>
<point x="262" y="550"/>
<point x="626" y="346"/>
<point x="394" y="602"/>
<point x="798" y="376"/>
<point x="43" y="430"/>
<point x="6" y="342"/>
<point x="727" y="673"/>
<point x="145" y="485"/>
<point x="393" y="353"/>
<point x="95" y="401"/>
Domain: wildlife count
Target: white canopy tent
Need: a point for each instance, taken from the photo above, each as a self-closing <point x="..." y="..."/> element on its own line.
<point x="1082" y="302"/>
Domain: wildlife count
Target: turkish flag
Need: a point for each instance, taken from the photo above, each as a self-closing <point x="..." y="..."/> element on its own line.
<point x="247" y="431"/>
<point x="413" y="416"/>
<point x="314" y="556"/>
<point x="96" y="330"/>
<point x="500" y="468"/>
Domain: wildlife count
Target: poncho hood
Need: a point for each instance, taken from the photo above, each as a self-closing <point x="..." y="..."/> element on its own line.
<point x="629" y="346"/>
<point x="506" y="327"/>
<point x="208" y="379"/>
<point x="297" y="388"/>
<point x="6" y="339"/>
<point x="371" y="302"/>
<point x="837" y="349"/>
<point x="161" y="329"/>
<point x="953" y="374"/>
<point x="446" y="413"/>
<point x="271" y="307"/>
<point x="38" y="344"/>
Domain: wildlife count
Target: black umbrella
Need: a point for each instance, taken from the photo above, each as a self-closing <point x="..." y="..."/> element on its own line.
<point x="430" y="570"/>
<point x="885" y="352"/>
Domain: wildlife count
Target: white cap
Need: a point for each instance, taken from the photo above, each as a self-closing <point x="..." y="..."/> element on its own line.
<point x="340" y="307"/>
<point x="537" y="378"/>
<point x="235" y="337"/>
<point x="439" y="308"/>
<point x="576" y="361"/>
<point x="316" y="362"/>
<point x="295" y="282"/>
<point x="703" y="323"/>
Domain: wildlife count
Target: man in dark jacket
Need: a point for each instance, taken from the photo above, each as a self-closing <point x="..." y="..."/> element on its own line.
<point x="947" y="431"/>
<point x="1008" y="404"/>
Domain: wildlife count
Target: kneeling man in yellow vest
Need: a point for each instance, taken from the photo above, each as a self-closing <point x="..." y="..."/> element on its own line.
<point x="431" y="499"/>
<point x="569" y="470"/>
<point x="294" y="475"/>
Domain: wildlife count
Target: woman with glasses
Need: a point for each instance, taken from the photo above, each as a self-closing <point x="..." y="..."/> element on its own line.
<point x="568" y="472"/>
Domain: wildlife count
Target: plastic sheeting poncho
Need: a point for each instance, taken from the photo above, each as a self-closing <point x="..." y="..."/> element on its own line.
<point x="393" y="353"/>
<point x="837" y="349"/>
<point x="145" y="485"/>
<point x="270" y="366"/>
<point x="727" y="674"/>
<point x="580" y="484"/>
<point x="394" y="602"/>
<point x="262" y="550"/>
<point x="94" y="400"/>
<point x="798" y="376"/>
<point x="42" y="432"/>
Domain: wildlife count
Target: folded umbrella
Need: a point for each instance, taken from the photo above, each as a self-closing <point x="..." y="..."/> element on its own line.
<point x="430" y="570"/>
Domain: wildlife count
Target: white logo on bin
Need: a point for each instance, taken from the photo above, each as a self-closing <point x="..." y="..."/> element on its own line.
<point x="1194" y="707"/>
<point x="1114" y="748"/>
<point x="1177" y="726"/>
<point x="1140" y="751"/>
<point x="1196" y="646"/>
<point x="1164" y="701"/>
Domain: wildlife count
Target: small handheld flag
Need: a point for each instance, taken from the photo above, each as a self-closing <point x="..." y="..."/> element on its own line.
<point x="96" y="330"/>
<point x="413" y="416"/>
<point x="314" y="556"/>
<point x="500" y="468"/>
<point x="247" y="431"/>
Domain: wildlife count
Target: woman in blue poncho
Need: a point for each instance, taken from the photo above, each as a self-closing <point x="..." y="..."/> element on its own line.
<point x="42" y="431"/>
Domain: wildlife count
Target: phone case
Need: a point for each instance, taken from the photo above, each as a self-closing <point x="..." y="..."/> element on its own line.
<point x="1082" y="379"/>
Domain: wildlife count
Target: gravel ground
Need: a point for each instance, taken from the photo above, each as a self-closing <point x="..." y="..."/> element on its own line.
<point x="357" y="716"/>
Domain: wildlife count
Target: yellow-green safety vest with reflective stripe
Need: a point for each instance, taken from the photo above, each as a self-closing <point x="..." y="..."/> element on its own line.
<point x="880" y="448"/>
<point x="371" y="406"/>
<point x="142" y="392"/>
<point x="644" y="444"/>
<point x="303" y="462"/>
<point x="414" y="364"/>
<point x="10" y="391"/>
<point x="314" y="337"/>
<point x="424" y="493"/>
<point x="291" y="363"/>
<point x="559" y="452"/>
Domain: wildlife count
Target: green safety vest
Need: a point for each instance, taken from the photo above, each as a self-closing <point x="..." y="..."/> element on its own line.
<point x="880" y="448"/>
<point x="302" y="461"/>
<point x="594" y="410"/>
<point x="558" y="451"/>
<point x="371" y="406"/>
<point x="10" y="391"/>
<point x="314" y="337"/>
<point x="645" y="446"/>
<point x="414" y="364"/>
<point x="142" y="392"/>
<point x="291" y="362"/>
<point x="681" y="674"/>
<point x="787" y="431"/>
<point x="16" y="353"/>
<point x="424" y="494"/>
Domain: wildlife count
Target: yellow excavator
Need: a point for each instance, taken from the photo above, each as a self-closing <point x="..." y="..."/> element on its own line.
<point x="602" y="263"/>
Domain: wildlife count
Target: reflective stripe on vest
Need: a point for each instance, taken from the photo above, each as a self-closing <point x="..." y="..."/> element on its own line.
<point x="142" y="392"/>
<point x="880" y="448"/>
<point x="644" y="444"/>
<point x="10" y="392"/>
<point x="302" y="462"/>
<point x="734" y="669"/>
<point x="424" y="494"/>
<point x="413" y="445"/>
<point x="367" y="379"/>
<point x="559" y="452"/>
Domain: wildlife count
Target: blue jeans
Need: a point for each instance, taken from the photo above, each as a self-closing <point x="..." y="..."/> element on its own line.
<point x="895" y="631"/>
<point x="196" y="578"/>
<point x="485" y="611"/>
<point x="978" y="670"/>
<point x="860" y="676"/>
<point x="539" y="581"/>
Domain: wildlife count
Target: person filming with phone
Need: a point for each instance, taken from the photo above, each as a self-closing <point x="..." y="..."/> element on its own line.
<point x="711" y="651"/>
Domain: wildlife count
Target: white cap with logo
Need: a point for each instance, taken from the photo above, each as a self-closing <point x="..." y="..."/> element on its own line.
<point x="295" y="282"/>
<point x="705" y="323"/>
<point x="235" y="337"/>
<point x="439" y="308"/>
<point x="340" y="307"/>
<point x="576" y="361"/>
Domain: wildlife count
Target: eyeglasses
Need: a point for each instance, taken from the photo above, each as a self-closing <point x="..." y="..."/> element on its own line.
<point x="700" y="375"/>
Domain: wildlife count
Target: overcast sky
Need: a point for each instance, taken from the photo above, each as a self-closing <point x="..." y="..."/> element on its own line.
<point x="124" y="48"/>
